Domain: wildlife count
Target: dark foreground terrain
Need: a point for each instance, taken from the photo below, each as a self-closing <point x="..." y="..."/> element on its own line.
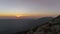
<point x="45" y="25"/>
<point x="9" y="26"/>
<point x="50" y="27"/>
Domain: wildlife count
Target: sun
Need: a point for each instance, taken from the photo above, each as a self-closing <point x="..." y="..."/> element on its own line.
<point x="18" y="16"/>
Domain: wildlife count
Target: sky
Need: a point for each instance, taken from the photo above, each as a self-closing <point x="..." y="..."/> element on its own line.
<point x="29" y="7"/>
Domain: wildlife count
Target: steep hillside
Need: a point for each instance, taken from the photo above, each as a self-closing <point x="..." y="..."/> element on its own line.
<point x="49" y="27"/>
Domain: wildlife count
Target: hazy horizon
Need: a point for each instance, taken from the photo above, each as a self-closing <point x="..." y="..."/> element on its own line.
<point x="35" y="8"/>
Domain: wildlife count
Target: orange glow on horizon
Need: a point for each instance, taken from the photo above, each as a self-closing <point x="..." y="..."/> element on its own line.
<point x="19" y="15"/>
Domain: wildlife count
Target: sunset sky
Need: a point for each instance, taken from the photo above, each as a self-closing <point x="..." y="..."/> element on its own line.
<point x="29" y="7"/>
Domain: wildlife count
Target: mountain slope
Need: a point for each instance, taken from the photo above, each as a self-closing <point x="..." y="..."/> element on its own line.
<point x="37" y="22"/>
<point x="50" y="27"/>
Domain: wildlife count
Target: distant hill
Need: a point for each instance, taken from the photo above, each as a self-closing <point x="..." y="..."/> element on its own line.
<point x="51" y="26"/>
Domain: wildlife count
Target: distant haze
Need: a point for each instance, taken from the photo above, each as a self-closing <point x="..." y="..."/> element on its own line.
<point x="29" y="7"/>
